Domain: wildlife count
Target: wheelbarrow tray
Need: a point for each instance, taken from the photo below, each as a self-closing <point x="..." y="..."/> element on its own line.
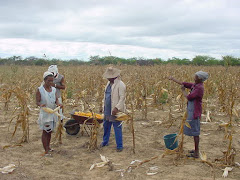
<point x="72" y="126"/>
<point x="82" y="119"/>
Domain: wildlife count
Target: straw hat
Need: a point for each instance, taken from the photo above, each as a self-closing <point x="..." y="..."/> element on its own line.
<point x="111" y="73"/>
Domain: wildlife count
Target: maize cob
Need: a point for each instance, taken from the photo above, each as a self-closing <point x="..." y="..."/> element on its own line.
<point x="49" y="110"/>
<point x="89" y="114"/>
<point x="122" y="116"/>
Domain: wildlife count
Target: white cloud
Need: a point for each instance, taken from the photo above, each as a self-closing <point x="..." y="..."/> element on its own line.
<point x="154" y="28"/>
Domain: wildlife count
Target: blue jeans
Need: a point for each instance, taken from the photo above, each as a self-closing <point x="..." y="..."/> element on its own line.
<point x="118" y="133"/>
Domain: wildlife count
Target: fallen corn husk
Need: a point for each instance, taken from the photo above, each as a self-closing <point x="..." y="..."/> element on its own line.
<point x="152" y="171"/>
<point x="8" y="169"/>
<point x="135" y="161"/>
<point x="154" y="168"/>
<point x="237" y="163"/>
<point x="226" y="170"/>
<point x="101" y="164"/>
<point x="159" y="122"/>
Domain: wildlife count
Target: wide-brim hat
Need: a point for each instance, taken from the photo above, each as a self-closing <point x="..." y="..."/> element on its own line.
<point x="111" y="72"/>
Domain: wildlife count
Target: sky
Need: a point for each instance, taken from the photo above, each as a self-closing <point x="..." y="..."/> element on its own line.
<point x="78" y="29"/>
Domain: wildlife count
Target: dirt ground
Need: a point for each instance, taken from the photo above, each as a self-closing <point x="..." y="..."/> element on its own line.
<point x="72" y="160"/>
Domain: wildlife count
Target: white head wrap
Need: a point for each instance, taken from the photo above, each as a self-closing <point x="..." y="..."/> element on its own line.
<point x="202" y="75"/>
<point x="47" y="73"/>
<point x="53" y="69"/>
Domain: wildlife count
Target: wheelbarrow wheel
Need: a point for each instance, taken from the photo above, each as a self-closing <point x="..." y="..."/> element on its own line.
<point x="72" y="127"/>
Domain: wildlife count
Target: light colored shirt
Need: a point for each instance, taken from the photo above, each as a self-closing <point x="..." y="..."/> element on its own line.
<point x="118" y="95"/>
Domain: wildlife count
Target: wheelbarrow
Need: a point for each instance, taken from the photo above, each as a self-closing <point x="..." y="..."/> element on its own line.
<point x="72" y="126"/>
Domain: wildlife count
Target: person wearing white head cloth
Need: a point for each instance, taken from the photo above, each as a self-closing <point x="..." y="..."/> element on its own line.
<point x="58" y="82"/>
<point x="46" y="97"/>
<point x="194" y="107"/>
<point x="113" y="102"/>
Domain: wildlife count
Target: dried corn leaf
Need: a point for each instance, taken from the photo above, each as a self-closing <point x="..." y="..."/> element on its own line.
<point x="203" y="156"/>
<point x="92" y="166"/>
<point x="7" y="146"/>
<point x="235" y="112"/>
<point x="224" y="124"/>
<point x="104" y="158"/>
<point x="188" y="125"/>
<point x="178" y="97"/>
<point x="101" y="164"/>
<point x="208" y="119"/>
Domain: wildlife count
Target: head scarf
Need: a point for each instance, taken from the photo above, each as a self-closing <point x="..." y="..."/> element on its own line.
<point x="47" y="73"/>
<point x="202" y="75"/>
<point x="53" y="69"/>
<point x="111" y="73"/>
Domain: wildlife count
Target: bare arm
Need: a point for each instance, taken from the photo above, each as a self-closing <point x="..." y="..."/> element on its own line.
<point x="38" y="99"/>
<point x="184" y="92"/>
<point x="62" y="86"/>
<point x="175" y="80"/>
<point x="57" y="102"/>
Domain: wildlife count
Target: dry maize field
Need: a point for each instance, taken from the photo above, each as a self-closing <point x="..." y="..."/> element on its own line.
<point x="156" y="108"/>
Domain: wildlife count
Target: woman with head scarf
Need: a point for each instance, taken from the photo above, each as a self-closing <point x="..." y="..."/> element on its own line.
<point x="58" y="82"/>
<point x="194" y="107"/>
<point x="46" y="97"/>
<point x="113" y="102"/>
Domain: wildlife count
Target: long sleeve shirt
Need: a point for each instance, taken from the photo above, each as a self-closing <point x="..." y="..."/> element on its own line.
<point x="196" y="94"/>
<point x="118" y="95"/>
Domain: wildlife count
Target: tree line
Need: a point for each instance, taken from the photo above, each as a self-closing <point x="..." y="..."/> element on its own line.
<point x="97" y="60"/>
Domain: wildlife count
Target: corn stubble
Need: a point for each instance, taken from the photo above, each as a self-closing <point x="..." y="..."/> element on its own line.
<point x="146" y="88"/>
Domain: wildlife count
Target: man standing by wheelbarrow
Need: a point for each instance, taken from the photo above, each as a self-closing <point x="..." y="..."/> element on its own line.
<point x="113" y="102"/>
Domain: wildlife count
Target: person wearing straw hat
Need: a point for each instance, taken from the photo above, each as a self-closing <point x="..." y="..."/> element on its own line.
<point x="194" y="107"/>
<point x="113" y="102"/>
<point x="46" y="96"/>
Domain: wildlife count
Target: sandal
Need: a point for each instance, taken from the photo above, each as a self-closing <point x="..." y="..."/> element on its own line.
<point x="191" y="151"/>
<point x="46" y="154"/>
<point x="192" y="156"/>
